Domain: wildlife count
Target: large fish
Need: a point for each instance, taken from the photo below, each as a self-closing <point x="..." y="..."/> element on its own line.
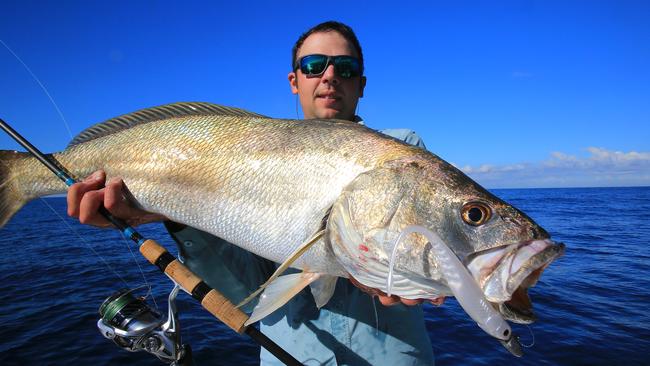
<point x="325" y="196"/>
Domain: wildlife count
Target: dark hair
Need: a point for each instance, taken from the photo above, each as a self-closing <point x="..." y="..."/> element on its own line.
<point x="329" y="26"/>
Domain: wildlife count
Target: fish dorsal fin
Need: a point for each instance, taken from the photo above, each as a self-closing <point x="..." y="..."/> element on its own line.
<point x="158" y="113"/>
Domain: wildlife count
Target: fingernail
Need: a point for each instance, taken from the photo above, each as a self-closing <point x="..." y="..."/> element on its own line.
<point x="93" y="177"/>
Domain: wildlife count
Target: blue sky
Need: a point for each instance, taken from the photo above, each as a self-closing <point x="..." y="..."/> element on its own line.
<point x="520" y="94"/>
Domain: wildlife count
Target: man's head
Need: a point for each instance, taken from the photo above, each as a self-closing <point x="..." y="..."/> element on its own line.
<point x="328" y="95"/>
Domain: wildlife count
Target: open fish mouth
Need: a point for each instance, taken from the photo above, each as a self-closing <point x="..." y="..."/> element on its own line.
<point x="506" y="273"/>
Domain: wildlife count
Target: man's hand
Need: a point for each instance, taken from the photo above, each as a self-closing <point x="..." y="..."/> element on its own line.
<point x="392" y="300"/>
<point x="85" y="198"/>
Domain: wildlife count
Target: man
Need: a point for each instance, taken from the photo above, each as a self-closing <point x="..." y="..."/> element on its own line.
<point x="352" y="329"/>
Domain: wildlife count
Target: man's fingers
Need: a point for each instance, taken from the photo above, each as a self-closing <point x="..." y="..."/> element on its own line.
<point x="114" y="200"/>
<point x="393" y="300"/>
<point x="88" y="207"/>
<point x="86" y="197"/>
<point x="388" y="300"/>
<point x="117" y="204"/>
<point x="411" y="302"/>
<point x="383" y="297"/>
<point x="78" y="190"/>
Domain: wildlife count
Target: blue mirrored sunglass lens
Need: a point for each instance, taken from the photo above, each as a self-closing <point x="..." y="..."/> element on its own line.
<point x="313" y="65"/>
<point x="346" y="67"/>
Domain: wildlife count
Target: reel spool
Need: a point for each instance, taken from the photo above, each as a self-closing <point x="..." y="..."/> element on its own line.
<point x="128" y="321"/>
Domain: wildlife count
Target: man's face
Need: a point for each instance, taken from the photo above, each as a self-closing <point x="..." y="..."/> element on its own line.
<point x="327" y="95"/>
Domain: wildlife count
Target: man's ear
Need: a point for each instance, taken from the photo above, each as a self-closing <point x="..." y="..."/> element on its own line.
<point x="362" y="85"/>
<point x="293" y="82"/>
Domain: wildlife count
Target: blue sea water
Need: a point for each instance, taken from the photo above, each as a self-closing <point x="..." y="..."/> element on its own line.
<point x="592" y="304"/>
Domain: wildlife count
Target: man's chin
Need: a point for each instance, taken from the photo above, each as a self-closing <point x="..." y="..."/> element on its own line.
<point x="334" y="114"/>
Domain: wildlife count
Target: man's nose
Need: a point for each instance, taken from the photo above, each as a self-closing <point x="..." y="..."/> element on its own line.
<point x="330" y="76"/>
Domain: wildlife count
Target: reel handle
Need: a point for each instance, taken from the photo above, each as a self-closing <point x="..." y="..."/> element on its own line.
<point x="213" y="301"/>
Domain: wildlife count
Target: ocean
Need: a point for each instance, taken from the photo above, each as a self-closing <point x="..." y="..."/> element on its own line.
<point x="592" y="304"/>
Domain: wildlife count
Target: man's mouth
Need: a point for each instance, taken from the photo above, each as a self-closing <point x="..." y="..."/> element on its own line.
<point x="330" y="96"/>
<point x="506" y="273"/>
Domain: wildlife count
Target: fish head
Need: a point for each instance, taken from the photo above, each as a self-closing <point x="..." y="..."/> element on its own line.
<point x="504" y="250"/>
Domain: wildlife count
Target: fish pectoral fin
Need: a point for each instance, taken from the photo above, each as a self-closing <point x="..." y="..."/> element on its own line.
<point x="323" y="289"/>
<point x="283" y="267"/>
<point x="279" y="292"/>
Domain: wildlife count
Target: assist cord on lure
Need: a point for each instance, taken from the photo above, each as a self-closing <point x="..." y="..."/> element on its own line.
<point x="462" y="285"/>
<point x="210" y="299"/>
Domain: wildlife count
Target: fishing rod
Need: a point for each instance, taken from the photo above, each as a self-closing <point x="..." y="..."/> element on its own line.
<point x="120" y="310"/>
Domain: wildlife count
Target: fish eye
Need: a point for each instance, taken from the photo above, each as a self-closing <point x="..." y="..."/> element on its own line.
<point x="475" y="213"/>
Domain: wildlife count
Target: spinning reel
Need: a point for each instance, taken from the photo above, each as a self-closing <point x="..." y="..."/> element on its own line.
<point x="128" y="321"/>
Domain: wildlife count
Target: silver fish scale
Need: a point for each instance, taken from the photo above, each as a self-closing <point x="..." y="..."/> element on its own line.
<point x="262" y="184"/>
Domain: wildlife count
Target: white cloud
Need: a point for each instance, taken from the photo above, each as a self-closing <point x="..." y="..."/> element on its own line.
<point x="599" y="154"/>
<point x="487" y="168"/>
<point x="601" y="167"/>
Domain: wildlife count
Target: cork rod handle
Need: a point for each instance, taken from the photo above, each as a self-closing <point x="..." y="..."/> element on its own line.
<point x="213" y="301"/>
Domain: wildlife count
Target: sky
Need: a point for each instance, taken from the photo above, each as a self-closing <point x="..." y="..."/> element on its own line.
<point x="516" y="94"/>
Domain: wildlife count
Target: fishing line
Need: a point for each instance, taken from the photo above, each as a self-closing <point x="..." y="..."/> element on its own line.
<point x="297" y="115"/>
<point x="74" y="231"/>
<point x="126" y="242"/>
<point x="532" y="335"/>
<point x="42" y="87"/>
<point x="84" y="241"/>
<point x="67" y="126"/>
<point x="166" y="345"/>
<point x="374" y="307"/>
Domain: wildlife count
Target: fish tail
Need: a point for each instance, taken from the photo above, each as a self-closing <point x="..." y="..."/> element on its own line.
<point x="12" y="194"/>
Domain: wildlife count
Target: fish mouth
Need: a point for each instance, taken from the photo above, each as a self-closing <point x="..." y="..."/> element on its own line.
<point x="506" y="273"/>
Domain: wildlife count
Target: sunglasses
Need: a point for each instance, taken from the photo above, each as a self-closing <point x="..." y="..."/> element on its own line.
<point x="315" y="65"/>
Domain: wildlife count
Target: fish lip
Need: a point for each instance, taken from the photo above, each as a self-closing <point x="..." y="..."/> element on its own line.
<point x="514" y="268"/>
<point x="519" y="308"/>
<point x="538" y="261"/>
<point x="507" y="250"/>
<point x="516" y="314"/>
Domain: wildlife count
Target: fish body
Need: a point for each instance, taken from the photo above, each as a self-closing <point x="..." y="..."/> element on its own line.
<point x="269" y="185"/>
<point x="265" y="185"/>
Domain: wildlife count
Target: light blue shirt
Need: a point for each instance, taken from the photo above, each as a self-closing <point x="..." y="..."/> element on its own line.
<point x="353" y="328"/>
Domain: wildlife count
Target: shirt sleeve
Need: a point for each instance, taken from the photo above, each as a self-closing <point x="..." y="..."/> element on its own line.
<point x="406" y="135"/>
